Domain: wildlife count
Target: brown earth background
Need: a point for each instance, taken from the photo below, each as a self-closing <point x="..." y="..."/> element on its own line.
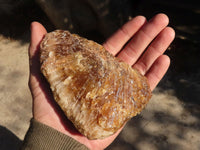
<point x="171" y="121"/>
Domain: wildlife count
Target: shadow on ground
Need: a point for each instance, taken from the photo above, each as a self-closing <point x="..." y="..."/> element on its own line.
<point x="16" y="17"/>
<point x="8" y="140"/>
<point x="154" y="133"/>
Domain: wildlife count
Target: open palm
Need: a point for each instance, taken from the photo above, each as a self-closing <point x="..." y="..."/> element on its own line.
<point x="147" y="41"/>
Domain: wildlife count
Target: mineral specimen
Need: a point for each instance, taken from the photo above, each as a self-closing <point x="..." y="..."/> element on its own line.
<point x="95" y="90"/>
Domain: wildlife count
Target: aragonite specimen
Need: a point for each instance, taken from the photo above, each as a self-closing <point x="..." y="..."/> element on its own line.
<point x="95" y="90"/>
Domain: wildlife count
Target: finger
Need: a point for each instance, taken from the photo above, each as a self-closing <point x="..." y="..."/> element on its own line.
<point x="156" y="49"/>
<point x="37" y="33"/>
<point x="157" y="70"/>
<point x="115" y="43"/>
<point x="142" y="39"/>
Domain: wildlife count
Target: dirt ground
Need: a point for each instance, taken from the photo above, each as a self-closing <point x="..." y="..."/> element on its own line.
<point x="171" y="120"/>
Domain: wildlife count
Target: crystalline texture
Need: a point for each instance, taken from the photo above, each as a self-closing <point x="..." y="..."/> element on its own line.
<point x="95" y="90"/>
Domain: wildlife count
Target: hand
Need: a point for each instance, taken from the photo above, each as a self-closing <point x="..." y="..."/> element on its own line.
<point x="147" y="41"/>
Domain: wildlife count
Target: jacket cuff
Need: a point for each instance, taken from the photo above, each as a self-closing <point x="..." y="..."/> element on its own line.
<point x="40" y="136"/>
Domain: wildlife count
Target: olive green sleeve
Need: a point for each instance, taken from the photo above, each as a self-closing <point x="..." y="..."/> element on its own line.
<point x="42" y="137"/>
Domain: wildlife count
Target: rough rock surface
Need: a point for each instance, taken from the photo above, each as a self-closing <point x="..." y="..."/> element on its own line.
<point x="96" y="91"/>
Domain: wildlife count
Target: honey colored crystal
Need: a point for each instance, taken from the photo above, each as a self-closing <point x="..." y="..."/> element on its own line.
<point x="95" y="90"/>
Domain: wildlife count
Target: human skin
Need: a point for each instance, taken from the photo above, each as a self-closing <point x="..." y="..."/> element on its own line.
<point x="139" y="42"/>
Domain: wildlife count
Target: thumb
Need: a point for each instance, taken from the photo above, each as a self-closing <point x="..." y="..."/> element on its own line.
<point x="37" y="33"/>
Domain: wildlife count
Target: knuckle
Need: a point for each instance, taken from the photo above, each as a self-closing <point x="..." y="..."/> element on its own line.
<point x="142" y="67"/>
<point x="125" y="31"/>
